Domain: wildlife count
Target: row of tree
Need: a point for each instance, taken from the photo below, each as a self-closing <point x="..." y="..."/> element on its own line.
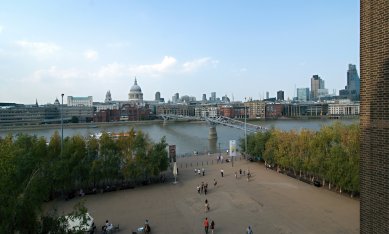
<point x="330" y="155"/>
<point x="32" y="170"/>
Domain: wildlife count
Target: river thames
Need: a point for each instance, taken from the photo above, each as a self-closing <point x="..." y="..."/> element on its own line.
<point x="187" y="136"/>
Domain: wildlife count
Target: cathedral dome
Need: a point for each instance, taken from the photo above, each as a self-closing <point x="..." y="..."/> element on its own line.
<point x="136" y="87"/>
<point x="136" y="94"/>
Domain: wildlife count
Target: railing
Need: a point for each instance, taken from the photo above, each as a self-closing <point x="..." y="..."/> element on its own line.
<point x="222" y="120"/>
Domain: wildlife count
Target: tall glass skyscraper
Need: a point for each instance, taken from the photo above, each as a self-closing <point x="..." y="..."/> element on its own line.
<point x="303" y="94"/>
<point x="316" y="84"/>
<point x="352" y="90"/>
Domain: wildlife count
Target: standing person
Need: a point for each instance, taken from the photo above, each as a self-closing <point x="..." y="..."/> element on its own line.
<point x="198" y="189"/>
<point x="240" y="172"/>
<point x="236" y="175"/>
<point x="203" y="171"/>
<point x="212" y="226"/>
<point x="147" y="228"/>
<point x="206" y="205"/>
<point x="206" y="225"/>
<point x="249" y="230"/>
<point x="221" y="158"/>
<point x="222" y="172"/>
<point x="214" y="182"/>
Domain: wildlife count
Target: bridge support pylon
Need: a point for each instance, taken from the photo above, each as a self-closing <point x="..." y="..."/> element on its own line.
<point x="212" y="133"/>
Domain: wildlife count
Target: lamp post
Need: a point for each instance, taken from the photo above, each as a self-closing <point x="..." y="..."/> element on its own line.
<point x="219" y="150"/>
<point x="245" y="126"/>
<point x="62" y="124"/>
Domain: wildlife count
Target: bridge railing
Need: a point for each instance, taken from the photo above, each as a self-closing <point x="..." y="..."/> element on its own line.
<point x="222" y="120"/>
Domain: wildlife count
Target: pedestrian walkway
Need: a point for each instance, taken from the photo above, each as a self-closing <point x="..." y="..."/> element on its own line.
<point x="270" y="202"/>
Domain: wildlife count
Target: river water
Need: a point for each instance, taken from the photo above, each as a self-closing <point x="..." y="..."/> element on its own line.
<point x="188" y="136"/>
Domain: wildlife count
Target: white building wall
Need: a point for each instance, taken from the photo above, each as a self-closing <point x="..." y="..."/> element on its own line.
<point x="80" y="101"/>
<point x="343" y="109"/>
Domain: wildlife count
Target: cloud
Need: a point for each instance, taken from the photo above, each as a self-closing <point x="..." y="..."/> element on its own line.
<point x="112" y="70"/>
<point x="38" y="48"/>
<point x="54" y="73"/>
<point x="167" y="64"/>
<point x="119" y="70"/>
<point x="1" y="29"/>
<point x="91" y="55"/>
<point x="196" y="64"/>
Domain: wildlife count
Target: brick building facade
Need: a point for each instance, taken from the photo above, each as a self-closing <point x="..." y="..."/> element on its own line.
<point x="374" y="116"/>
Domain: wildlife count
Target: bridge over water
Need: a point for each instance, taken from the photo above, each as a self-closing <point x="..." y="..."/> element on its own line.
<point x="220" y="120"/>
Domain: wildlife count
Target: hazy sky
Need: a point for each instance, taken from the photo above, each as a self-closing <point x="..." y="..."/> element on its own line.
<point x="235" y="48"/>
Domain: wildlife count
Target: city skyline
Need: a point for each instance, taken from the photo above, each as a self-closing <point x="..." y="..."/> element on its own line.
<point x="236" y="49"/>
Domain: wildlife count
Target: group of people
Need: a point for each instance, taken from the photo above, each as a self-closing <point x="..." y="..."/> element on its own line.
<point x="199" y="172"/>
<point x="211" y="226"/>
<point x="207" y="225"/>
<point x="244" y="174"/>
<point x="202" y="188"/>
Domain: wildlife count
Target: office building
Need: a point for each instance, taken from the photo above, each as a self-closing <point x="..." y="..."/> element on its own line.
<point x="204" y="99"/>
<point x="316" y="84"/>
<point x="157" y="96"/>
<point x="80" y="101"/>
<point x="280" y="95"/>
<point x="303" y="94"/>
<point x="352" y="89"/>
<point x="213" y="97"/>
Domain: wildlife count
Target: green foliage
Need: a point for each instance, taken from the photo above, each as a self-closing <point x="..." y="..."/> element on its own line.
<point x="32" y="171"/>
<point x="331" y="154"/>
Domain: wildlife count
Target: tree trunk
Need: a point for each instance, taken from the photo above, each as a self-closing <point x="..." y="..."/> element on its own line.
<point x="340" y="190"/>
<point x="329" y="185"/>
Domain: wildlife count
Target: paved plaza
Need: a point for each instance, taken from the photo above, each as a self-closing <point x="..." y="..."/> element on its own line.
<point x="270" y="202"/>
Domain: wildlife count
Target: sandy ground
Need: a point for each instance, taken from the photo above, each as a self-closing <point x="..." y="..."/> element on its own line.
<point x="270" y="202"/>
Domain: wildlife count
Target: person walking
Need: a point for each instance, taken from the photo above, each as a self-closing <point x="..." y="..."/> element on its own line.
<point x="249" y="230"/>
<point x="214" y="182"/>
<point x="206" y="205"/>
<point x="222" y="172"/>
<point x="212" y="226"/>
<point x="206" y="225"/>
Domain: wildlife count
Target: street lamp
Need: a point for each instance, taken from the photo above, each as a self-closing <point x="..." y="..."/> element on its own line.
<point x="219" y="150"/>
<point x="62" y="124"/>
<point x="245" y="126"/>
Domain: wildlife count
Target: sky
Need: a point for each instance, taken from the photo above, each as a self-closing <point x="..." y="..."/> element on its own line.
<point x="241" y="49"/>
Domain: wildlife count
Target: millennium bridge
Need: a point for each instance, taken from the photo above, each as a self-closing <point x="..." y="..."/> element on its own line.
<point x="219" y="120"/>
